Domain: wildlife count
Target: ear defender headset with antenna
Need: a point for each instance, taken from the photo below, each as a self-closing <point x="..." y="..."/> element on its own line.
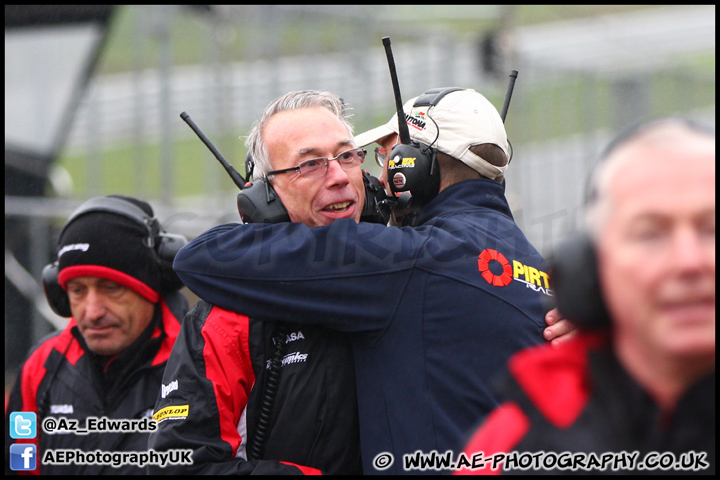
<point x="164" y="247"/>
<point x="413" y="171"/>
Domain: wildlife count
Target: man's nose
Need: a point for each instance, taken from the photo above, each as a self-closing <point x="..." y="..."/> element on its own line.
<point x="336" y="175"/>
<point x="95" y="305"/>
<point x="690" y="252"/>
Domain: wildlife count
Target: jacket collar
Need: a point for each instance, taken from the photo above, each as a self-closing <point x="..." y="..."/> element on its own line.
<point x="467" y="195"/>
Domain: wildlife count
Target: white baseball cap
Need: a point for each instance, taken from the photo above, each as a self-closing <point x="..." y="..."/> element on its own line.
<point x="464" y="118"/>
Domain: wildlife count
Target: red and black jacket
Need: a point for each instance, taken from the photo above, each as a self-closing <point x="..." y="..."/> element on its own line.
<point x="578" y="398"/>
<point x="62" y="378"/>
<point x="215" y="386"/>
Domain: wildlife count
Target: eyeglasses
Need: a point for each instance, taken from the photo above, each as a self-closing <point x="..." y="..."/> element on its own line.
<point x="381" y="155"/>
<point x="317" y="167"/>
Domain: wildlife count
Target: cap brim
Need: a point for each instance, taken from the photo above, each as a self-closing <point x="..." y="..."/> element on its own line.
<point x="372" y="136"/>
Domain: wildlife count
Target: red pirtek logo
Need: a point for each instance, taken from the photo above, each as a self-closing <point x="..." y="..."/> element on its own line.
<point x="484" y="260"/>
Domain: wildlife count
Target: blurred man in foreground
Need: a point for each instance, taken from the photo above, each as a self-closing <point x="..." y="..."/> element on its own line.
<point x="642" y="386"/>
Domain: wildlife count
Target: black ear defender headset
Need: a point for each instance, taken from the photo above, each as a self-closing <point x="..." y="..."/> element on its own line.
<point x="413" y="172"/>
<point x="574" y="275"/>
<point x="163" y="245"/>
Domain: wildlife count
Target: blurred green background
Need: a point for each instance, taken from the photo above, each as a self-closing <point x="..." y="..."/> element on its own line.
<point x="549" y="106"/>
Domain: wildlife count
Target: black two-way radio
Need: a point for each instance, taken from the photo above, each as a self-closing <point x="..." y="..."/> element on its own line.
<point x="413" y="171"/>
<point x="258" y="202"/>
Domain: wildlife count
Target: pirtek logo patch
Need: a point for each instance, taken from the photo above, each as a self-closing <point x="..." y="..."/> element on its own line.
<point x="484" y="259"/>
<point x="496" y="269"/>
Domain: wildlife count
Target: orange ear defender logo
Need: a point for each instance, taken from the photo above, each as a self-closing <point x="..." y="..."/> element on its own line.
<point x="484" y="260"/>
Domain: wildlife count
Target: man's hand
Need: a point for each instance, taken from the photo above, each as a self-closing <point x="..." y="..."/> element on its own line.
<point x="559" y="329"/>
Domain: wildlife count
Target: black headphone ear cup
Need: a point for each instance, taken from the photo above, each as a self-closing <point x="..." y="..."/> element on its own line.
<point x="576" y="285"/>
<point x="374" y="210"/>
<point x="413" y="169"/>
<point x="167" y="247"/>
<point x="56" y="296"/>
<point x="259" y="203"/>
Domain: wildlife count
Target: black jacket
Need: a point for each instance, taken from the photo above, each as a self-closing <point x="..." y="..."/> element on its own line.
<point x="62" y="378"/>
<point x="579" y="399"/>
<point x="218" y="374"/>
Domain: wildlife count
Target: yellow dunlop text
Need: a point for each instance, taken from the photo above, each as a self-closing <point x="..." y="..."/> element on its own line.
<point x="175" y="411"/>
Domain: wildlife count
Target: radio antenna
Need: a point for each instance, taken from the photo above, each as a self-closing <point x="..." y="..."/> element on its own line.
<point x="236" y="177"/>
<point x="403" y="131"/>
<point x="508" y="94"/>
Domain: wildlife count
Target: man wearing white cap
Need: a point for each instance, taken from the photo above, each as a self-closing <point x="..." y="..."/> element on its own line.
<point x="433" y="311"/>
<point x="471" y="131"/>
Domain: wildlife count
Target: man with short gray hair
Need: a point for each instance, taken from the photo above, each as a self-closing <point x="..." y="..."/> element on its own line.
<point x="268" y="394"/>
<point x="637" y="387"/>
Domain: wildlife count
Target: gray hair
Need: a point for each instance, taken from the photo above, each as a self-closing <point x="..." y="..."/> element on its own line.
<point x="597" y="204"/>
<point x="290" y="101"/>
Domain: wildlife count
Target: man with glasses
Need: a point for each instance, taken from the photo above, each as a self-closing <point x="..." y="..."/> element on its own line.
<point x="432" y="312"/>
<point x="273" y="396"/>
